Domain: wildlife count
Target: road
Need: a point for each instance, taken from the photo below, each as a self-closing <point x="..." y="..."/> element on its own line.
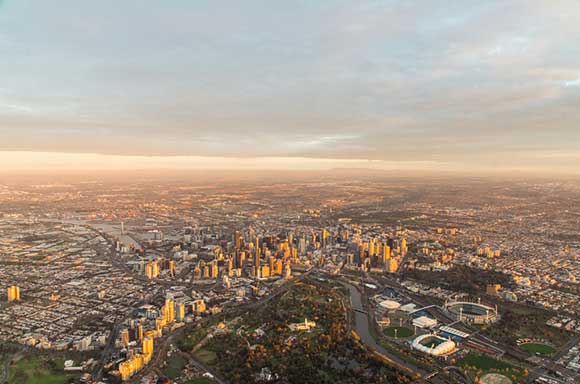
<point x="202" y="367"/>
<point x="565" y="348"/>
<point x="362" y="328"/>
<point x="4" y="373"/>
<point x="546" y="365"/>
<point x="107" y="351"/>
<point x="162" y="349"/>
<point x="163" y="344"/>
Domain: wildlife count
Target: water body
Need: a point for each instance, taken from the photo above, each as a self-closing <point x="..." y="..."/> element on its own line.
<point x="362" y="327"/>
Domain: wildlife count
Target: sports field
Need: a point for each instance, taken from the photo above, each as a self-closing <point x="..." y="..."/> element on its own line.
<point x="432" y="342"/>
<point x="540" y="348"/>
<point x="401" y="331"/>
<point x="495" y="378"/>
<point x="483" y="362"/>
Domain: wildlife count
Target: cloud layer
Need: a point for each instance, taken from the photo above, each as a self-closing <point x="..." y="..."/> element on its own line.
<point x="470" y="82"/>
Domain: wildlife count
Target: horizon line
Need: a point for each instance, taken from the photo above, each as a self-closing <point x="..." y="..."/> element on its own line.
<point x="68" y="162"/>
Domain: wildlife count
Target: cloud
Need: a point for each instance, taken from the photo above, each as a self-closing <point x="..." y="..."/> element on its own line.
<point x="389" y="81"/>
<point x="16" y="107"/>
<point x="573" y="83"/>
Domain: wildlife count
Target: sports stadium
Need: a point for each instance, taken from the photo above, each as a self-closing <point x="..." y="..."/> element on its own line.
<point x="433" y="345"/>
<point x="475" y="313"/>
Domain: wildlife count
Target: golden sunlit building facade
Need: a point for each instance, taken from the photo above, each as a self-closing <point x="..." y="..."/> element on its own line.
<point x="152" y="269"/>
<point x="198" y="306"/>
<point x="393" y="265"/>
<point x="13" y="293"/>
<point x="125" y="337"/>
<point x="148" y="346"/>
<point x="180" y="312"/>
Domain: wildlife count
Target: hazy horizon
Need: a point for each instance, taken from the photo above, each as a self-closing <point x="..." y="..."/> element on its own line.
<point x="70" y="163"/>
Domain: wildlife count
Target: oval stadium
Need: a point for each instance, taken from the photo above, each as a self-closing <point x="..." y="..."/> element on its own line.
<point x="475" y="313"/>
<point x="433" y="345"/>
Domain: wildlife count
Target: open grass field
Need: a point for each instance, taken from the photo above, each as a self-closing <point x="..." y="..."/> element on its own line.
<point x="175" y="365"/>
<point x="540" y="348"/>
<point x="38" y="370"/>
<point x="206" y="356"/>
<point x="432" y="342"/>
<point x="401" y="331"/>
<point x="481" y="365"/>
<point x="483" y="362"/>
<point x="519" y="321"/>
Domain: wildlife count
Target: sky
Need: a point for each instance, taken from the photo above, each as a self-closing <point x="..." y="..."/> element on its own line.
<point x="466" y="85"/>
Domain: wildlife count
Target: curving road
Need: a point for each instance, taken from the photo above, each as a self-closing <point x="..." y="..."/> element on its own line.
<point x="362" y="328"/>
<point x="163" y="344"/>
<point x="4" y="372"/>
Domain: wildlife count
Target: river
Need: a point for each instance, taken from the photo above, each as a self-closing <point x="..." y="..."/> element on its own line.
<point x="363" y="329"/>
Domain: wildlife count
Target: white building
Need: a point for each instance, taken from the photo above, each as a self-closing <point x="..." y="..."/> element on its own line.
<point x="389" y="305"/>
<point x="424" y="322"/>
<point x="433" y="345"/>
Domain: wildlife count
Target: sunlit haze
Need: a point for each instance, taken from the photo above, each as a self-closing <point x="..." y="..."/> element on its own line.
<point x="289" y="192"/>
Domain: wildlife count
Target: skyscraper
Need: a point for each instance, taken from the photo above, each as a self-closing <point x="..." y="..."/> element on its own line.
<point x="13" y="293"/>
<point x="125" y="337"/>
<point x="180" y="312"/>
<point x="237" y="240"/>
<point x="386" y="253"/>
<point x="169" y="311"/>
<point x="393" y="265"/>
<point x="147" y="346"/>
<point x="257" y="258"/>
<point x="172" y="268"/>
<point x="302" y="246"/>
<point x="214" y="269"/>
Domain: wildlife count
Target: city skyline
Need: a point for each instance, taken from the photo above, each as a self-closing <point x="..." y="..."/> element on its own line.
<point x="153" y="280"/>
<point x="479" y="87"/>
<point x="292" y="192"/>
